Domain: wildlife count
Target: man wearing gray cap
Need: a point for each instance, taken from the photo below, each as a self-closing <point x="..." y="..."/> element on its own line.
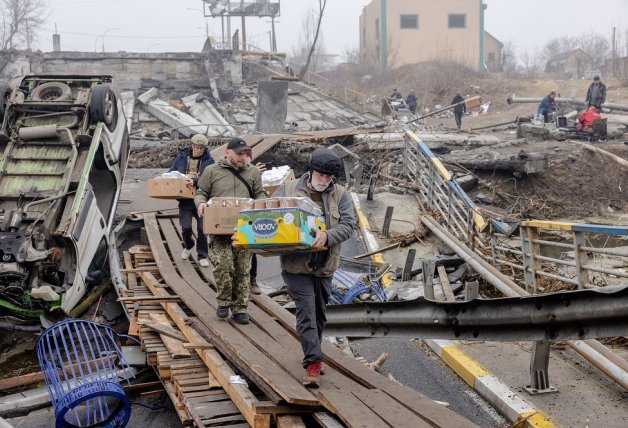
<point x="192" y="161"/>
<point x="232" y="176"/>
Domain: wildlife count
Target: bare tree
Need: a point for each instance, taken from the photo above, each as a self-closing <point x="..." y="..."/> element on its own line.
<point x="558" y="46"/>
<point x="509" y="59"/>
<point x="19" y="20"/>
<point x="532" y="63"/>
<point x="596" y="46"/>
<point x="321" y="9"/>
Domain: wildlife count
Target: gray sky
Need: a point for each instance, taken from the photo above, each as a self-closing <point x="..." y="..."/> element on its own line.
<point x="159" y="26"/>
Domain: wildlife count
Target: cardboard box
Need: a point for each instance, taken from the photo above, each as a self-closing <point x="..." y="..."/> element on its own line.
<point x="221" y="215"/>
<point x="277" y="231"/>
<point x="271" y="188"/>
<point x="473" y="102"/>
<point x="170" y="188"/>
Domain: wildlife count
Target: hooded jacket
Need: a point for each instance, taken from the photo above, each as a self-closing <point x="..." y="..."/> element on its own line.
<point x="181" y="162"/>
<point x="218" y="181"/>
<point x="596" y="96"/>
<point x="339" y="221"/>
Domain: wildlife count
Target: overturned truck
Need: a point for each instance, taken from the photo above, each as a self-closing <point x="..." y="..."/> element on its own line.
<point x="63" y="152"/>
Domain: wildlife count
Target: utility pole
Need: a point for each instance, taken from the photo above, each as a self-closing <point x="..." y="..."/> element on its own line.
<point x="614" y="53"/>
<point x="273" y="36"/>
<point x="243" y="25"/>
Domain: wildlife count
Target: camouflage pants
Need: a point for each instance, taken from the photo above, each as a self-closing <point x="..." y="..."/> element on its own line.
<point x="231" y="269"/>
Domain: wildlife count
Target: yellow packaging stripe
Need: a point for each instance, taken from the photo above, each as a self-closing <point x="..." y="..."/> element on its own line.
<point x="465" y="366"/>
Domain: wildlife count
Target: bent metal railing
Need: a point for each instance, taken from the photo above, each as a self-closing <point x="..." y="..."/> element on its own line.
<point x="543" y="256"/>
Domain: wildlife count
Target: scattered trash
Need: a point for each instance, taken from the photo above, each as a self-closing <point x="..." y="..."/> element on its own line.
<point x="237" y="379"/>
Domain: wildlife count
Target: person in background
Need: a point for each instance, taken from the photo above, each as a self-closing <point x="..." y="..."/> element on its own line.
<point x="596" y="94"/>
<point x="412" y="102"/>
<point x="192" y="161"/>
<point x="459" y="110"/>
<point x="547" y="106"/>
<point x="309" y="276"/>
<point x="396" y="95"/>
<point x="585" y="122"/>
<point x="231" y="176"/>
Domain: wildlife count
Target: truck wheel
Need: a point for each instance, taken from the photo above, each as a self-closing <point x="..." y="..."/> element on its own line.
<point x="103" y="107"/>
<point x="52" y="91"/>
<point x="5" y="93"/>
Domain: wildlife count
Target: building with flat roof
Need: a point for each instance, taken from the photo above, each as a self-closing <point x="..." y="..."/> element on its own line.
<point x="398" y="32"/>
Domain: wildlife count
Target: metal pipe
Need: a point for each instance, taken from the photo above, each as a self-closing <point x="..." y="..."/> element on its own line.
<point x="572" y="101"/>
<point x="496" y="278"/>
<point x="598" y="360"/>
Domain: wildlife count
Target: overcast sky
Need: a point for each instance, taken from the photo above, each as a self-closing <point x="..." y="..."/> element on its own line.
<point x="162" y="26"/>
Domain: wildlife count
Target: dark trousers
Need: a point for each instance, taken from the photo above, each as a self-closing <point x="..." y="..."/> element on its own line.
<point x="458" y="117"/>
<point x="254" y="268"/>
<point x="310" y="295"/>
<point x="188" y="211"/>
<point x="412" y="108"/>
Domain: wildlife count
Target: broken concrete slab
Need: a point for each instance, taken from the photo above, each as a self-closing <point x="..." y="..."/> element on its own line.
<point x="203" y="110"/>
<point x="176" y="119"/>
<point x="529" y="163"/>
<point x="272" y="107"/>
<point x="128" y="105"/>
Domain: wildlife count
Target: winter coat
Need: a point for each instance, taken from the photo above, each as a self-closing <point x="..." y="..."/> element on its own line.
<point x="461" y="108"/>
<point x="339" y="221"/>
<point x="596" y="96"/>
<point x="585" y="121"/>
<point x="181" y="162"/>
<point x="547" y="105"/>
<point x="218" y="181"/>
<point x="412" y="100"/>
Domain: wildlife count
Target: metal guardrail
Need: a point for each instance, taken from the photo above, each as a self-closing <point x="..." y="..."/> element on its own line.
<point x="542" y="251"/>
<point x="441" y="193"/>
<point x="570" y="258"/>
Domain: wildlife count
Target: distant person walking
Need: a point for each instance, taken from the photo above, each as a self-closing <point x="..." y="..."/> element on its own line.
<point x="412" y="102"/>
<point x="547" y="106"/>
<point x="459" y="110"/>
<point x="396" y="95"/>
<point x="596" y="95"/>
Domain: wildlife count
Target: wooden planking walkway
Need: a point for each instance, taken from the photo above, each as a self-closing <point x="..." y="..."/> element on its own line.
<point x="275" y="326"/>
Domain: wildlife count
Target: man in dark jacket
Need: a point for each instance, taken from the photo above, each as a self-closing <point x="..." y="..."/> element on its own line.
<point x="412" y="101"/>
<point x="547" y="106"/>
<point x="309" y="276"/>
<point x="232" y="176"/>
<point x="192" y="161"/>
<point x="459" y="110"/>
<point x="596" y="95"/>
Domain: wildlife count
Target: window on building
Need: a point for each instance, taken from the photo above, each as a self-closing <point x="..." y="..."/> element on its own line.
<point x="491" y="57"/>
<point x="457" y="20"/>
<point x="409" y="22"/>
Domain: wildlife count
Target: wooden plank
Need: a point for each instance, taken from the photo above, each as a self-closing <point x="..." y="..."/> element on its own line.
<point x="162" y="329"/>
<point x="326" y="420"/>
<point x="389" y="410"/>
<point x="351" y="411"/>
<point x="224" y="421"/>
<point x="290" y="421"/>
<point x="444" y="282"/>
<point x="131" y="278"/>
<point x="267" y="407"/>
<point x="249" y="358"/>
<point x="151" y="299"/>
<point x="174" y="346"/>
<point x="422" y="406"/>
<point x="241" y="396"/>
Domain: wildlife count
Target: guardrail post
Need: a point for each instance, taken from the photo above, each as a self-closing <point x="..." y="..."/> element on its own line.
<point x="530" y="263"/>
<point x="428" y="279"/>
<point x="472" y="290"/>
<point x="407" y="268"/>
<point x="581" y="258"/>
<point x="430" y="189"/>
<point x="539" y="365"/>
<point x="387" y="219"/>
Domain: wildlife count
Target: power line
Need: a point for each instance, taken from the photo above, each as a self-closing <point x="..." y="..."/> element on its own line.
<point x="128" y="36"/>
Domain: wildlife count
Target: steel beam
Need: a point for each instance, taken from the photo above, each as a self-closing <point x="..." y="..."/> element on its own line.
<point x="569" y="315"/>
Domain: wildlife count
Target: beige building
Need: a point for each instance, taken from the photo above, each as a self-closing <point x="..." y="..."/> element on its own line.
<point x="398" y="32"/>
<point x="492" y="52"/>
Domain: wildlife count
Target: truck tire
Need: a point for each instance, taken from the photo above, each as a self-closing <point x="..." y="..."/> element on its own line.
<point x="103" y="106"/>
<point x="52" y="91"/>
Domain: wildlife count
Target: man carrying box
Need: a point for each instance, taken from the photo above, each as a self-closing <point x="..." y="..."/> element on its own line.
<point x="309" y="276"/>
<point x="232" y="176"/>
<point x="192" y="161"/>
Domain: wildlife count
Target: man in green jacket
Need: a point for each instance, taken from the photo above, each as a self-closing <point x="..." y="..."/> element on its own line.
<point x="232" y="176"/>
<point x="309" y="276"/>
